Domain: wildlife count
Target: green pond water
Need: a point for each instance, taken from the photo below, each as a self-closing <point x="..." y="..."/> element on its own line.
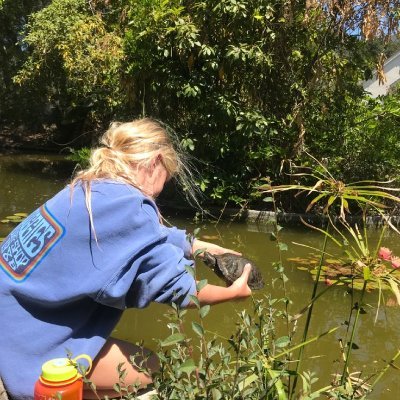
<point x="28" y="180"/>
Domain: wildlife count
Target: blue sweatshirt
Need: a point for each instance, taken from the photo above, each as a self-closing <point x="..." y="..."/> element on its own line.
<point x="61" y="290"/>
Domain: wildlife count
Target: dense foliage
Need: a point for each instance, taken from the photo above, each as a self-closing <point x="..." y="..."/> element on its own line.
<point x="245" y="83"/>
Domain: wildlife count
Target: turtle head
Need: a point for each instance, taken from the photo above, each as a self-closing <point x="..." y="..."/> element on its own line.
<point x="209" y="259"/>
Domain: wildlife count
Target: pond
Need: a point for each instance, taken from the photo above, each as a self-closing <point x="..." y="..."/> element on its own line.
<point x="27" y="180"/>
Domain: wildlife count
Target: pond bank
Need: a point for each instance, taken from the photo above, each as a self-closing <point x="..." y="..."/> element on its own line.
<point x="267" y="218"/>
<point x="21" y="139"/>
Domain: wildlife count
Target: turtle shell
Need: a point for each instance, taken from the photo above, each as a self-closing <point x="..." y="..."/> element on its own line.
<point x="230" y="266"/>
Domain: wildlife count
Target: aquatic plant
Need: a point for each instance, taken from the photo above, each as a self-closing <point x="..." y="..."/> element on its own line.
<point x="363" y="266"/>
<point x="14" y="219"/>
<point x="251" y="364"/>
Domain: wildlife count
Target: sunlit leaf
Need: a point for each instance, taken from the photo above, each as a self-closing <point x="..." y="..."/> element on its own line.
<point x="247" y="381"/>
<point x="268" y="199"/>
<point x="195" y="300"/>
<point x="197" y="328"/>
<point x="188" y="366"/>
<point x="283" y="246"/>
<point x="395" y="289"/>
<point x="282" y="341"/>
<point x="173" y="339"/>
<point x="367" y="273"/>
<point x="200" y="285"/>
<point x="204" y="310"/>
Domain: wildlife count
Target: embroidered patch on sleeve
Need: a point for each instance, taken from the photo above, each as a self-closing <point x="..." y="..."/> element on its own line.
<point x="29" y="243"/>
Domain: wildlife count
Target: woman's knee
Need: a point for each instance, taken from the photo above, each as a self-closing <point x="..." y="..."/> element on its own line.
<point x="136" y="362"/>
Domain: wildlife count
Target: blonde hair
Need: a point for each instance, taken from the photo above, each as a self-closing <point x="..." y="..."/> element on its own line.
<point x="127" y="146"/>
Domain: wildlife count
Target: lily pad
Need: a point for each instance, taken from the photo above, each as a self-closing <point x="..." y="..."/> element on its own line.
<point x="341" y="272"/>
<point x="15" y="218"/>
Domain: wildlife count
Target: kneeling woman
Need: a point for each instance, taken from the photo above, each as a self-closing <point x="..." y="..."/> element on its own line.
<point x="93" y="250"/>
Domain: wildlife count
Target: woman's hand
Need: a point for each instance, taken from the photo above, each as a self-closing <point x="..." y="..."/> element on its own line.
<point x="212" y="294"/>
<point x="211" y="248"/>
<point x="240" y="286"/>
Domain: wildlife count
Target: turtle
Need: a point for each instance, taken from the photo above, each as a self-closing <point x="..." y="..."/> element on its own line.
<point x="230" y="266"/>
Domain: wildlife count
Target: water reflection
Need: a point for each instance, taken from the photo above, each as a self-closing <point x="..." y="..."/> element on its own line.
<point x="27" y="181"/>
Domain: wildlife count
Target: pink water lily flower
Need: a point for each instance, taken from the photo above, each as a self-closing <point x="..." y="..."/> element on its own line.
<point x="384" y="253"/>
<point x="395" y="262"/>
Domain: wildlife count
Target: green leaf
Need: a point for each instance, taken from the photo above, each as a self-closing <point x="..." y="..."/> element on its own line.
<point x="216" y="394"/>
<point x="268" y="199"/>
<point x="247" y="381"/>
<point x="188" y="366"/>
<point x="395" y="289"/>
<point x="280" y="390"/>
<point x="367" y="273"/>
<point x="331" y="200"/>
<point x="198" y="328"/>
<point x="196" y="232"/>
<point x="14" y="218"/>
<point x="190" y="270"/>
<point x="283" y="341"/>
<point x="204" y="310"/>
<point x="173" y="339"/>
<point x="195" y="300"/>
<point x="200" y="285"/>
<point x="198" y="251"/>
<point x="283" y="246"/>
<point x="315" y="200"/>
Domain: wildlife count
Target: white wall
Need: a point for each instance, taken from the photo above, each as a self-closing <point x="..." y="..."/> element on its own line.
<point x="392" y="72"/>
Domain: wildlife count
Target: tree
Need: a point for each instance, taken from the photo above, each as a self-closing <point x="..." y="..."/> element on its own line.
<point x="251" y="82"/>
<point x="247" y="82"/>
<point x="75" y="58"/>
<point x="13" y="17"/>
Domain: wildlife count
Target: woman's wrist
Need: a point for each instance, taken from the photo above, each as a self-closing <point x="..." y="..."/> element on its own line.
<point x="233" y="292"/>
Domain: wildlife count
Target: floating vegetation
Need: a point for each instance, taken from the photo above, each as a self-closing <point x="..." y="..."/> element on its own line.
<point x="356" y="384"/>
<point x="340" y="272"/>
<point x="15" y="218"/>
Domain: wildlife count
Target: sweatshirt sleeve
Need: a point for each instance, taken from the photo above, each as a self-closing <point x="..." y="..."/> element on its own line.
<point x="179" y="238"/>
<point x="163" y="278"/>
<point x="156" y="270"/>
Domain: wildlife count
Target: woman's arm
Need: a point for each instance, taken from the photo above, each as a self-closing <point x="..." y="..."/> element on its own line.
<point x="212" y="294"/>
<point x="211" y="248"/>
